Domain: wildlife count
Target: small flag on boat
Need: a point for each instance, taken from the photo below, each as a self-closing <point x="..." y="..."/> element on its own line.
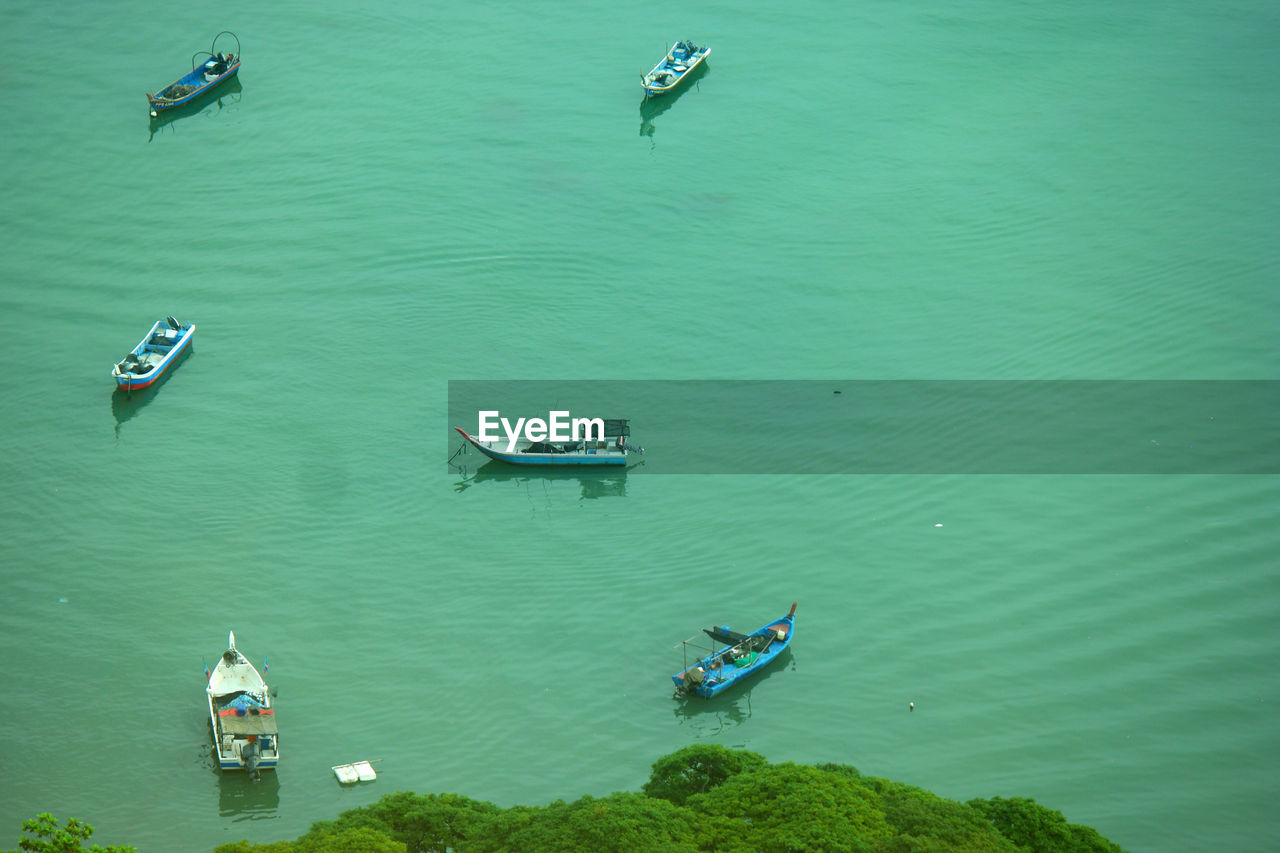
<point x="206" y="669"/>
<point x="265" y="666"/>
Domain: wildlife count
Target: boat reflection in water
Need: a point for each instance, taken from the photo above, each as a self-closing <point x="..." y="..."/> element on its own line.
<point x="592" y="482"/>
<point x="651" y="108"/>
<point x="127" y="405"/>
<point x="241" y="798"/>
<point x="227" y="95"/>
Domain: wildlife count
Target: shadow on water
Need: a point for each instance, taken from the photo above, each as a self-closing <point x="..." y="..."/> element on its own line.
<point x="711" y="717"/>
<point x="226" y="95"/>
<point x="241" y="798"/>
<point x="651" y="108"/>
<point x="600" y="483"/>
<point x="126" y="405"/>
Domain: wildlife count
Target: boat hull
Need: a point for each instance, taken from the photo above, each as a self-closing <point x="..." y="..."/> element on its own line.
<point x="678" y="71"/>
<point x="137" y="381"/>
<point x="592" y="457"/>
<point x="717" y="672"/>
<point x="235" y="764"/>
<point x="195" y="78"/>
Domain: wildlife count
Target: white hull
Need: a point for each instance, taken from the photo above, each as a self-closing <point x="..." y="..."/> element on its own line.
<point x="243" y="722"/>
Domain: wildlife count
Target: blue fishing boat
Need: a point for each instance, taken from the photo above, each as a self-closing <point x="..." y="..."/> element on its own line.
<point x="153" y="355"/>
<point x="204" y="77"/>
<point x="674" y="68"/>
<point x="743" y="656"/>
<point x="610" y="449"/>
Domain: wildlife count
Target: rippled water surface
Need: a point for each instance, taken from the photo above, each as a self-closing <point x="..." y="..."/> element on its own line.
<point x="395" y="197"/>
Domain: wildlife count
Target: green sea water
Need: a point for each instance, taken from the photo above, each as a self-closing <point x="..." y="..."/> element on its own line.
<point x="399" y="196"/>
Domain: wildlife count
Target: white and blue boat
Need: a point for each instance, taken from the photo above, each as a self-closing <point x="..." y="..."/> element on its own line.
<point x="674" y="68"/>
<point x="743" y="656"/>
<point x="245" y="736"/>
<point x="203" y="77"/>
<point x="610" y="449"/>
<point x="153" y="355"/>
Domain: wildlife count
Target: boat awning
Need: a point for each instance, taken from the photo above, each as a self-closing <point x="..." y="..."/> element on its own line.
<point x="249" y="724"/>
<point x="722" y="634"/>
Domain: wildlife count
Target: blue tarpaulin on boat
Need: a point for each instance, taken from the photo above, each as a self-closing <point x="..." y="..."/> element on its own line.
<point x="243" y="701"/>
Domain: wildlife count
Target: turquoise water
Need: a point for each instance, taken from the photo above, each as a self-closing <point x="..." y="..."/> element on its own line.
<point x="398" y="197"/>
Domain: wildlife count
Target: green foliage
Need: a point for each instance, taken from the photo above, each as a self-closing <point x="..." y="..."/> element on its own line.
<point x="430" y="823"/>
<point x="340" y="840"/>
<point x="51" y="838"/>
<point x="1036" y="829"/>
<point x="794" y="807"/>
<point x="926" y="822"/>
<point x="697" y="769"/>
<point x="352" y="840"/>
<point x="842" y="769"/>
<point x="701" y="799"/>
<point x="619" y="823"/>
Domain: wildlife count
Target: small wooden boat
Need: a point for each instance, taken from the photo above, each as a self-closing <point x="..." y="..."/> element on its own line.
<point x="244" y="723"/>
<point x="153" y="355"/>
<point x="611" y="449"/>
<point x="742" y="657"/>
<point x="674" y="68"/>
<point x="204" y="77"/>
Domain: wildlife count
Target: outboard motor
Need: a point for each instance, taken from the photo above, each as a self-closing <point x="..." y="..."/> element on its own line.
<point x="692" y="678"/>
<point x="250" y="754"/>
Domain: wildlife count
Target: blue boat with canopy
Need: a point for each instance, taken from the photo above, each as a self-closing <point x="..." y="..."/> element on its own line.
<point x="743" y="656"/>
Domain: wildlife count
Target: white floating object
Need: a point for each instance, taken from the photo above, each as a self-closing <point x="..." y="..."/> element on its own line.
<point x="361" y="771"/>
<point x="937" y="525"/>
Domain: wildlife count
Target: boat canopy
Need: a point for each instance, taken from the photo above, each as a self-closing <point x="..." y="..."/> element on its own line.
<point x="249" y="724"/>
<point x="614" y="427"/>
<point x="722" y="634"/>
<point x="550" y="447"/>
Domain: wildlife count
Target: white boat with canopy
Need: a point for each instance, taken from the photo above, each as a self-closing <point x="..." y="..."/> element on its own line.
<point x="245" y="736"/>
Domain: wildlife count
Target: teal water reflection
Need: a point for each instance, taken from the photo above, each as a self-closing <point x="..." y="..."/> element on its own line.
<point x="225" y="96"/>
<point x="651" y="108"/>
<point x="591" y="484"/>
<point x="242" y="798"/>
<point x="127" y="405"/>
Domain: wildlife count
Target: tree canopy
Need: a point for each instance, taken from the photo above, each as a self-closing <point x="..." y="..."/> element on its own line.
<point x="697" y="769"/>
<point x="48" y="837"/>
<point x="1037" y="829"/>
<point x="700" y="799"/>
